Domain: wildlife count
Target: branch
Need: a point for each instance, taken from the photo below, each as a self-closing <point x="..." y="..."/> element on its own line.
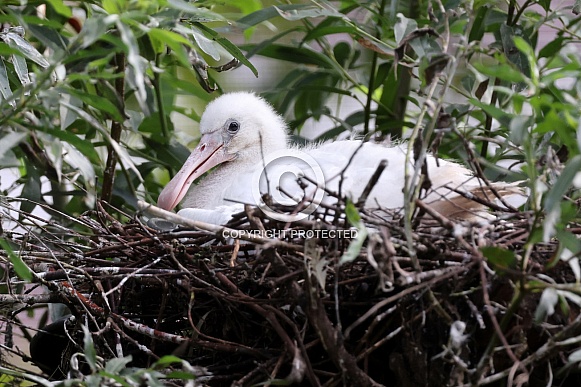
<point x="116" y="128"/>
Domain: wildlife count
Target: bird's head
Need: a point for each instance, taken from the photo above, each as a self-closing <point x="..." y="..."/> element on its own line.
<point x="236" y="127"/>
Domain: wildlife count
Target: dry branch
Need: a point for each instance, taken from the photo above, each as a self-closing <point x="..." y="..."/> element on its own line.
<point x="259" y="308"/>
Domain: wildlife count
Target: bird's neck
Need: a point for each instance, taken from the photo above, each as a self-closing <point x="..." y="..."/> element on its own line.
<point x="250" y="157"/>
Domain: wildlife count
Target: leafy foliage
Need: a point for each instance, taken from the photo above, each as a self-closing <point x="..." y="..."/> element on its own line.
<point x="88" y="97"/>
<point x="96" y="119"/>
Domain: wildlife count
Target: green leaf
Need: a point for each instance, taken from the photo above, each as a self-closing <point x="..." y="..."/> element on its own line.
<point x="89" y="349"/>
<point x="355" y="246"/>
<point x="31" y="189"/>
<point x="228" y="46"/>
<point x="8" y="141"/>
<point x="301" y="55"/>
<point x="21" y="69"/>
<point x="577" y="7"/>
<point x="5" y="89"/>
<point x="478" y="28"/>
<point x="268" y="13"/>
<point x="198" y="14"/>
<point x="307" y="12"/>
<point x="574" y="357"/>
<point x="563" y="184"/>
<point x="60" y="7"/>
<point x="352" y="214"/>
<point x="502" y="71"/>
<point x="329" y="30"/>
<point x="20" y="268"/>
<point x="78" y="162"/>
<point x="552" y="203"/>
<point x="137" y="64"/>
<point x="6" y="50"/>
<point x="86" y="147"/>
<point x="98" y="102"/>
<point x="511" y="36"/>
<point x="553" y="47"/>
<point x="403" y="28"/>
<point x="50" y="38"/>
<point x="116" y="364"/>
<point x="499" y="257"/>
<point x="519" y="129"/>
<point x="174" y="41"/>
<point x="182" y="375"/>
<point x="152" y="125"/>
<point x="25" y="48"/>
<point x="206" y="45"/>
<point x="530" y="67"/>
<point x="571" y="296"/>
<point x="124" y="157"/>
<point x="167" y="360"/>
<point x="94" y="29"/>
<point x="502" y="116"/>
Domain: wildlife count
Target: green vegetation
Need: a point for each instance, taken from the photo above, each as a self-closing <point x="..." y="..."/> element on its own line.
<point x="88" y="100"/>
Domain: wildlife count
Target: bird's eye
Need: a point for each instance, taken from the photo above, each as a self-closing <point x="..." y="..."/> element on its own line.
<point x="233" y="127"/>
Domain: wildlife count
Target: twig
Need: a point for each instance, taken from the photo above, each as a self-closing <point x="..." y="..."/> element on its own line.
<point x="376" y="307"/>
<point x="371" y="183"/>
<point x="116" y="129"/>
<point x="219" y="230"/>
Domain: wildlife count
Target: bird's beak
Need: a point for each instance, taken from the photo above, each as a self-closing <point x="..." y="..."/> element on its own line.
<point x="209" y="153"/>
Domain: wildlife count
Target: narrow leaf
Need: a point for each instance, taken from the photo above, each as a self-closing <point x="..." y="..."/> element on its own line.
<point x="352" y="214"/>
<point x="502" y="71"/>
<point x="21" y="269"/>
<point x="509" y="36"/>
<point x="116" y="364"/>
<point x="563" y="183"/>
<point x="502" y="116"/>
<point x="228" y="46"/>
<point x="330" y="30"/>
<point x="21" y="69"/>
<point x="499" y="257"/>
<point x="121" y="152"/>
<point x="10" y="140"/>
<point x="355" y="246"/>
<point x="205" y="44"/>
<point x="86" y="147"/>
<point x="5" y="84"/>
<point x="167" y="360"/>
<point x="198" y="14"/>
<point x="89" y="349"/>
<point x="307" y="12"/>
<point x="136" y="73"/>
<point x="25" y="48"/>
<point x="575" y="357"/>
<point x="78" y="161"/>
<point x="403" y="27"/>
<point x="267" y="13"/>
<point x="61" y="8"/>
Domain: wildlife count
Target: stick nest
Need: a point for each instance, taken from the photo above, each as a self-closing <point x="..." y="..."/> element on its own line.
<point x="446" y="303"/>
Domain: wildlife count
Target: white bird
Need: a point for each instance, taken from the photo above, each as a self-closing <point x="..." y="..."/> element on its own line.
<point x="242" y="134"/>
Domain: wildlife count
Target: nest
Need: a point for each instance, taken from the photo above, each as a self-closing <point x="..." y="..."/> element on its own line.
<point x="306" y="302"/>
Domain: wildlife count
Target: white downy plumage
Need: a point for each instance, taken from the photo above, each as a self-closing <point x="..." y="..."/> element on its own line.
<point x="241" y="134"/>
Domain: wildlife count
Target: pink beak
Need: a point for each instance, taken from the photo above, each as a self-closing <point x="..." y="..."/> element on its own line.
<point x="209" y="153"/>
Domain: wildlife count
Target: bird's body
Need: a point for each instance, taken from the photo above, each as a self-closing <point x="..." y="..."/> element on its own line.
<point x="246" y="139"/>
